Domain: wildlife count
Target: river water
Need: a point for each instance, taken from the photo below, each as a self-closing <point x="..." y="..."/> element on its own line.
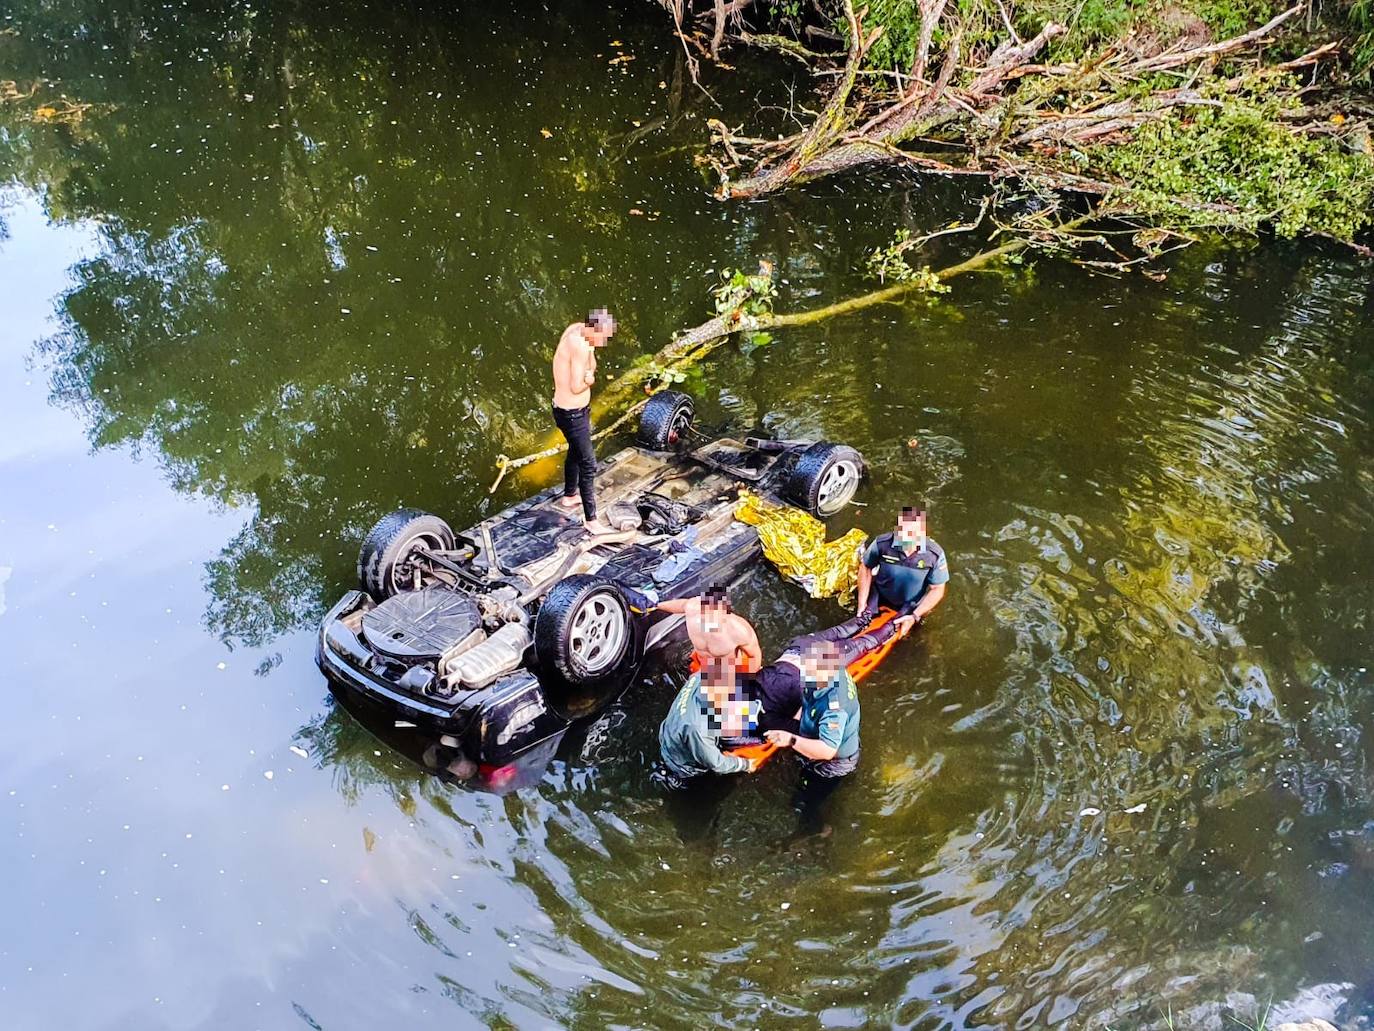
<point x="297" y="265"/>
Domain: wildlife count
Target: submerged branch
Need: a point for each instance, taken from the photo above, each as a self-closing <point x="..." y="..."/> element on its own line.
<point x="781" y="44"/>
<point x="505" y="464"/>
<point x="695" y="344"/>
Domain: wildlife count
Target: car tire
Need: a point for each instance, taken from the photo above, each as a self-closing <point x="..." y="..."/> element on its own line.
<point x="587" y="643"/>
<point x="825" y="478"/>
<point x="666" y="420"/>
<point x="388" y="546"/>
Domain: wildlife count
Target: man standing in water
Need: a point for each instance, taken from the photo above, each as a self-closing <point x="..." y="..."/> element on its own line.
<point x="719" y="637"/>
<point x="827" y="736"/>
<point x="908" y="569"/>
<point x="574" y="372"/>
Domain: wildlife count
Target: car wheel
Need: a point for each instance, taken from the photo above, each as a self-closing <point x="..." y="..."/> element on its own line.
<point x="385" y="565"/>
<point x="666" y="420"/>
<point x="586" y="641"/>
<point x="825" y="478"/>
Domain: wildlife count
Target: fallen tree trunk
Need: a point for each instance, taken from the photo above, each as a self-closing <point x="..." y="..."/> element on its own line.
<point x="917" y="113"/>
<point x="1008" y="117"/>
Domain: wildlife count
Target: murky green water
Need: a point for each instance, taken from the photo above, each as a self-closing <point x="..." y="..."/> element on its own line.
<point x="298" y="265"/>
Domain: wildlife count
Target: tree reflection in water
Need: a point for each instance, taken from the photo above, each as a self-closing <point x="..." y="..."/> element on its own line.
<point x="336" y="250"/>
<point x="326" y="286"/>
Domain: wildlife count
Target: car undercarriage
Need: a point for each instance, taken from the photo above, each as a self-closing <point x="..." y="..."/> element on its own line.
<point x="498" y="637"/>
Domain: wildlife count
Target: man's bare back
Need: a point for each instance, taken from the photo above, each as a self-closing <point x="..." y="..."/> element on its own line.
<point x="574" y="368"/>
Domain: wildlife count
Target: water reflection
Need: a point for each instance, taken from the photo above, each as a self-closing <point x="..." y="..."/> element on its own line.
<point x="308" y="306"/>
<point x="1126" y="764"/>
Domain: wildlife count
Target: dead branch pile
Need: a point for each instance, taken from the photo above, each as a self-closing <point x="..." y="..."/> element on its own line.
<point x="1011" y="113"/>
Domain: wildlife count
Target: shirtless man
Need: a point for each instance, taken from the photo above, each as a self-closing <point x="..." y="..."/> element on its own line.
<point x="721" y="641"/>
<point x="574" y="372"/>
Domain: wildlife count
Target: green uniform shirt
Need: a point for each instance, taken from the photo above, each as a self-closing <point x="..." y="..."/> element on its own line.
<point x="831" y="713"/>
<point x="689" y="734"/>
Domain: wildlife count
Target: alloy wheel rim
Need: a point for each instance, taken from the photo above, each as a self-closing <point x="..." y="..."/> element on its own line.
<point x="838" y="484"/>
<point x="682" y="422"/>
<point x="597" y="637"/>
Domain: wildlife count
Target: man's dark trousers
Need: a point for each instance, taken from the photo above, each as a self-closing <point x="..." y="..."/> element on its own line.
<point x="579" y="468"/>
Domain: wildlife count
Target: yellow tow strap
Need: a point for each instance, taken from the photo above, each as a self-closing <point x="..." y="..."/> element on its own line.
<point x="795" y="543"/>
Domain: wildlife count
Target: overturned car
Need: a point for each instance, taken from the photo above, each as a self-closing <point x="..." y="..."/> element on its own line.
<point x="499" y="637"/>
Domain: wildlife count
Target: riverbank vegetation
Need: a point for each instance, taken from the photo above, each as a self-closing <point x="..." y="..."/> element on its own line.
<point x="1200" y="115"/>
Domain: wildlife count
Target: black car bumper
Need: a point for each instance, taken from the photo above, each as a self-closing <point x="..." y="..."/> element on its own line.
<point x="492" y="726"/>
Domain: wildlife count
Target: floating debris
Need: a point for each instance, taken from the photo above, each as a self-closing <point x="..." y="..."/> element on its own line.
<point x="62" y="112"/>
<point x="10" y="91"/>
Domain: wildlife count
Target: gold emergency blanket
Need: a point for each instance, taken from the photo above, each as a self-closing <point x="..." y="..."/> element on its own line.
<point x="795" y="543"/>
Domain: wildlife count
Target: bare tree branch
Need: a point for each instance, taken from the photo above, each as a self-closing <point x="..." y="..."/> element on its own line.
<point x="1165" y="61"/>
<point x="931" y="11"/>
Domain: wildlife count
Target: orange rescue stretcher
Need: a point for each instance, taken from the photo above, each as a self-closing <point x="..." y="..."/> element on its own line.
<point x="858" y="669"/>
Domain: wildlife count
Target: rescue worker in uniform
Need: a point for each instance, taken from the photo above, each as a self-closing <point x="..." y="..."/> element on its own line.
<point x="689" y="737"/>
<point x="827" y="736"/>
<point x="778" y="686"/>
<point x="908" y="569"/>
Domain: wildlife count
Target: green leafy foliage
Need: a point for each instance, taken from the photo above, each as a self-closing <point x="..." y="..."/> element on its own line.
<point x="659" y="374"/>
<point x="1239" y="166"/>
<point x="889" y="264"/>
<point x="1227" y="18"/>
<point x="789" y="10"/>
<point x="1089" y="23"/>
<point x="756" y="340"/>
<point x="741" y="292"/>
<point x="1360" y="16"/>
<point x="901" y="22"/>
